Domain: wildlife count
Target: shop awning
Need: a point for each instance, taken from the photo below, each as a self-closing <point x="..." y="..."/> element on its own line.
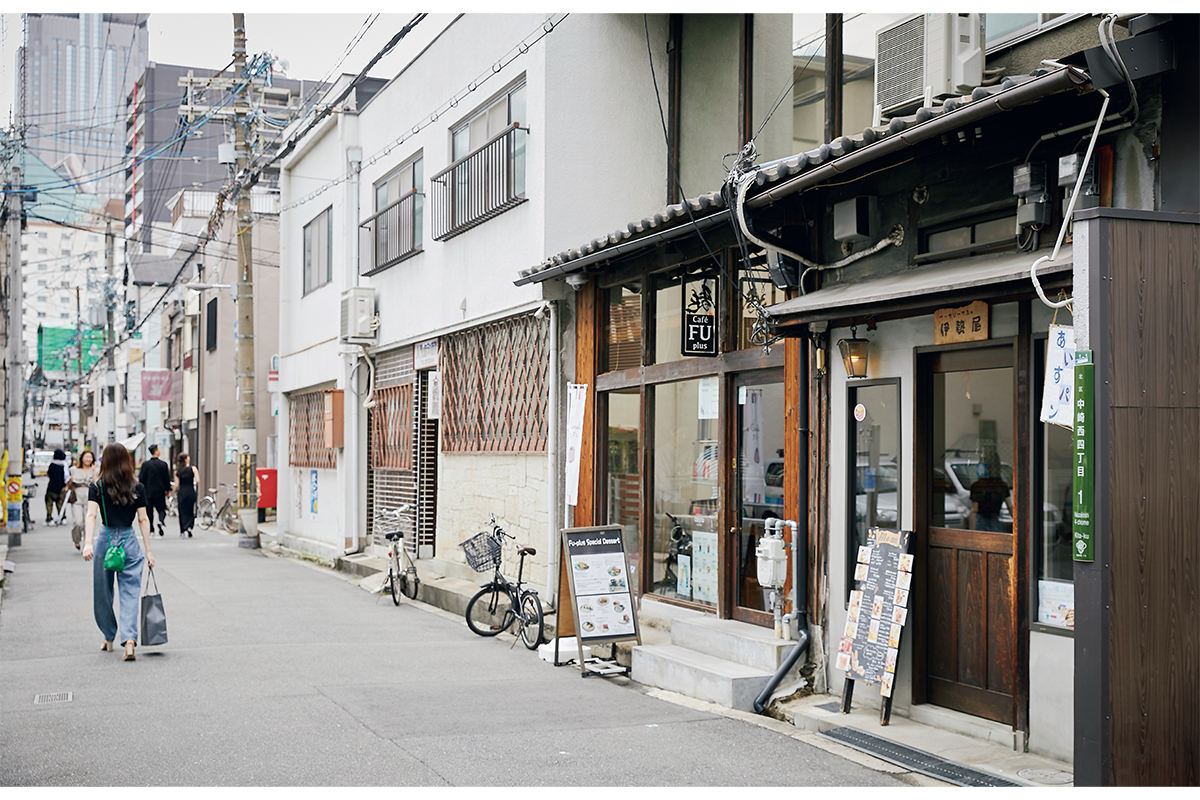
<point x="919" y="289"/>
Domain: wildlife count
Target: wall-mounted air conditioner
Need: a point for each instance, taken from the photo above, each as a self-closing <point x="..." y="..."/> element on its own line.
<point x="358" y="315"/>
<point x="926" y="56"/>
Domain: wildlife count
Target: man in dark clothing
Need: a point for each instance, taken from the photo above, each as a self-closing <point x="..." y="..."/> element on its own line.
<point x="155" y="475"/>
<point x="57" y="481"/>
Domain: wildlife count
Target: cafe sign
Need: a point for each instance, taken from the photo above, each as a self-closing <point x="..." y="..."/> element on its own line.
<point x="699" y="317"/>
<point x="965" y="324"/>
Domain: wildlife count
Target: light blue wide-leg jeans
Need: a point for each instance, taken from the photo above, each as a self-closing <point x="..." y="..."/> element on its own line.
<point x="129" y="585"/>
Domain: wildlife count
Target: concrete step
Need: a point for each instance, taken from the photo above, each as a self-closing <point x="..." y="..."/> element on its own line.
<point x="739" y="642"/>
<point x="695" y="674"/>
<point x="361" y="564"/>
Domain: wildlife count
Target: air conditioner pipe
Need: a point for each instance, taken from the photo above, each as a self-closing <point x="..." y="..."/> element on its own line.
<point x="799" y="542"/>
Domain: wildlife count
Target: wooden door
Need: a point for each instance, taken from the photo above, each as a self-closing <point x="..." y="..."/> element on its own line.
<point x="966" y="453"/>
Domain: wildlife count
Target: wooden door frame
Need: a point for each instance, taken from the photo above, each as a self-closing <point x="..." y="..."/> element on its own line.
<point x="730" y="517"/>
<point x="1013" y="353"/>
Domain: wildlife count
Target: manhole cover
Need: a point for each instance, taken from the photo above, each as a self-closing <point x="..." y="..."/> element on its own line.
<point x="52" y="697"/>
<point x="1047" y="776"/>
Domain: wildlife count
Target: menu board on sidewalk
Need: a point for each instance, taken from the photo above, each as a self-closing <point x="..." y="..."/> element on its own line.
<point x="600" y="584"/>
<point x="878" y="611"/>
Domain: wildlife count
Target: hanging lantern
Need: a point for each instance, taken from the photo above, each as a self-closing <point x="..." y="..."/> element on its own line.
<point x="854" y="354"/>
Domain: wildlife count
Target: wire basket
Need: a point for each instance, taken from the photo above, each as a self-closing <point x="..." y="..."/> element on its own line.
<point x="483" y="551"/>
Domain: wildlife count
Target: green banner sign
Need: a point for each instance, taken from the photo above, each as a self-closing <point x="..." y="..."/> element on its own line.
<point x="1083" y="501"/>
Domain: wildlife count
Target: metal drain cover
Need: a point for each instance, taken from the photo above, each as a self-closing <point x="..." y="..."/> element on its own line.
<point x="833" y="707"/>
<point x="53" y="697"/>
<point x="914" y="759"/>
<point x="1047" y="776"/>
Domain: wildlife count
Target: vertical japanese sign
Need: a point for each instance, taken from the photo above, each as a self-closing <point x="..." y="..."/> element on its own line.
<point x="312" y="493"/>
<point x="1058" y="392"/>
<point x="433" y="396"/>
<point x="1083" y="505"/>
<point x="699" y="318"/>
<point x="576" y="403"/>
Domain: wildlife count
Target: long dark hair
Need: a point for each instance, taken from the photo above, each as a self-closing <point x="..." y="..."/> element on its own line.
<point x="116" y="473"/>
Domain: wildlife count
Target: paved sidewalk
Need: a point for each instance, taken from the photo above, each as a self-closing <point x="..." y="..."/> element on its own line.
<point x="277" y="675"/>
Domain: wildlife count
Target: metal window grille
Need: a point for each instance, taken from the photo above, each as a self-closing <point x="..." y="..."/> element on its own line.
<point x="391" y="422"/>
<point x="480" y="185"/>
<point x="393" y="234"/>
<point x="494" y="387"/>
<point x="306" y="428"/>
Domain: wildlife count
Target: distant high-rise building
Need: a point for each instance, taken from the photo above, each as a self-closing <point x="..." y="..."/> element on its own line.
<point x="74" y="72"/>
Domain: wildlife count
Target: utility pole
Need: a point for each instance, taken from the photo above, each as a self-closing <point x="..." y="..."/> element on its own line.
<point x="247" y="410"/>
<point x="78" y="373"/>
<point x="13" y="373"/>
<point x="110" y="338"/>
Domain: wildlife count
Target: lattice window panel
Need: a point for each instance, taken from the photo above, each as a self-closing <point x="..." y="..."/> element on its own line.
<point x="391" y="428"/>
<point x="494" y="387"/>
<point x="306" y="432"/>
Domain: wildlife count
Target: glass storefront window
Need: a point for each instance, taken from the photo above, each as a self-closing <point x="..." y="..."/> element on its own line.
<point x="623" y="488"/>
<point x="683" y="554"/>
<point x="624" y="326"/>
<point x="875" y="471"/>
<point x="760" y="402"/>
<point x="1052" y="528"/>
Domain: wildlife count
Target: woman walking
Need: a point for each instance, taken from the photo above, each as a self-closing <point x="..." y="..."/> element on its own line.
<point x="186" y="480"/>
<point x="119" y="502"/>
<point x="83" y="476"/>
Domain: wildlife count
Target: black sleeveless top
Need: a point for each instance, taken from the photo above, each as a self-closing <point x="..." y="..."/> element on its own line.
<point x="186" y="476"/>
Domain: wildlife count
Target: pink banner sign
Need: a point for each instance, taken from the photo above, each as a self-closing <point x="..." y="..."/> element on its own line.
<point x="156" y="385"/>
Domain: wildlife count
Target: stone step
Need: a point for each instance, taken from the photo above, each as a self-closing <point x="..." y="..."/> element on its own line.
<point x="695" y="674"/>
<point x="742" y="643"/>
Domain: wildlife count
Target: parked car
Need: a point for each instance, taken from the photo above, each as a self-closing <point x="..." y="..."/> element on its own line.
<point x="884" y="481"/>
<point x="41" y="462"/>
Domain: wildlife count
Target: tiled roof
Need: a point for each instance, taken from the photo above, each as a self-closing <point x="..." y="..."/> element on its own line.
<point x="778" y="171"/>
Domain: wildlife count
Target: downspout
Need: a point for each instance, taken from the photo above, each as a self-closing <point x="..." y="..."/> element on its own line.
<point x="799" y="542"/>
<point x="554" y="483"/>
<point x="355" y="521"/>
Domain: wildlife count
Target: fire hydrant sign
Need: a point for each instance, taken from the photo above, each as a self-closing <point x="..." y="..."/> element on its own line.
<point x="878" y="611"/>
<point x="600" y="584"/>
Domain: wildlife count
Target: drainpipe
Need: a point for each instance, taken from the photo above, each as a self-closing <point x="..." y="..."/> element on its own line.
<point x="799" y="543"/>
<point x="553" y="484"/>
<point x="353" y="453"/>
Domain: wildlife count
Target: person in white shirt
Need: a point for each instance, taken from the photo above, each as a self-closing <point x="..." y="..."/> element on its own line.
<point x="83" y="475"/>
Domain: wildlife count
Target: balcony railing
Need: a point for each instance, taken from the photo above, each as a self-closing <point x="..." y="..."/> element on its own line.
<point x="480" y="185"/>
<point x="393" y="234"/>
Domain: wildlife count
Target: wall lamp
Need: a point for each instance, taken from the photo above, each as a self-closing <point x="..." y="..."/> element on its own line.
<point x="854" y="354"/>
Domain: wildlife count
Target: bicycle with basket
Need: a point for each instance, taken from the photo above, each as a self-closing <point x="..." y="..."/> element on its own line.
<point x="501" y="602"/>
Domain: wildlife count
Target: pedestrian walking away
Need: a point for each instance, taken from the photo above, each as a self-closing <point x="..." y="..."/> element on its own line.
<point x="186" y="480"/>
<point x="83" y="475"/>
<point x="155" y="475"/>
<point x="117" y="502"/>
<point x="55" y="488"/>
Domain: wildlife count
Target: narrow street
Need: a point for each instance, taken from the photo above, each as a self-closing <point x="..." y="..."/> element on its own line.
<point x="279" y="672"/>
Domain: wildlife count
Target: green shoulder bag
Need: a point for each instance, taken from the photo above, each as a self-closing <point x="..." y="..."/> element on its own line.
<point x="114" y="556"/>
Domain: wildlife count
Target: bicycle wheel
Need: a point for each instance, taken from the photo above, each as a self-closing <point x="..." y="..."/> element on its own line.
<point x="394" y="582"/>
<point x="490" y="611"/>
<point x="206" y="513"/>
<point x="532" y="625"/>
<point x="410" y="584"/>
<point x="230" y="520"/>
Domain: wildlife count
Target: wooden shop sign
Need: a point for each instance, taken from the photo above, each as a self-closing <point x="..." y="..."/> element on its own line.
<point x="966" y="324"/>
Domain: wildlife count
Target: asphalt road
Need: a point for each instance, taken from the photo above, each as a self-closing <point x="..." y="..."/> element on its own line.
<point x="279" y="672"/>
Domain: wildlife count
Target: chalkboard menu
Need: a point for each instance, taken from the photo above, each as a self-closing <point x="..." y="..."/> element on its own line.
<point x="600" y="584"/>
<point x="878" y="609"/>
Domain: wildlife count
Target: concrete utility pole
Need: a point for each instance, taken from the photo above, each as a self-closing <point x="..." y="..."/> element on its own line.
<point x="78" y="373"/>
<point x="110" y="338"/>
<point x="247" y="410"/>
<point x="14" y="377"/>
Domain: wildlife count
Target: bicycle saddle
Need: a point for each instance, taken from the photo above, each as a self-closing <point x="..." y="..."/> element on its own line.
<point x="391" y="537"/>
<point x="527" y="551"/>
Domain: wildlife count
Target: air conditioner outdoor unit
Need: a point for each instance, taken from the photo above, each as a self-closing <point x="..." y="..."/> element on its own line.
<point x="927" y="56"/>
<point x="358" y="315"/>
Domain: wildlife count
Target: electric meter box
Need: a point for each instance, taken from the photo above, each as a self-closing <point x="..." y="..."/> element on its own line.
<point x="772" y="562"/>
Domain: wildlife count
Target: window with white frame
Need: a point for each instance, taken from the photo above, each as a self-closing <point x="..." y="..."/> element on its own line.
<point x="487" y="173"/>
<point x="1004" y="28"/>
<point x="394" y="231"/>
<point x="318" y="251"/>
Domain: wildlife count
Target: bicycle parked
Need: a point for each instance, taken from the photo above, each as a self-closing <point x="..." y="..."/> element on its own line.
<point x="208" y="513"/>
<point x="501" y="602"/>
<point x="402" y="576"/>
